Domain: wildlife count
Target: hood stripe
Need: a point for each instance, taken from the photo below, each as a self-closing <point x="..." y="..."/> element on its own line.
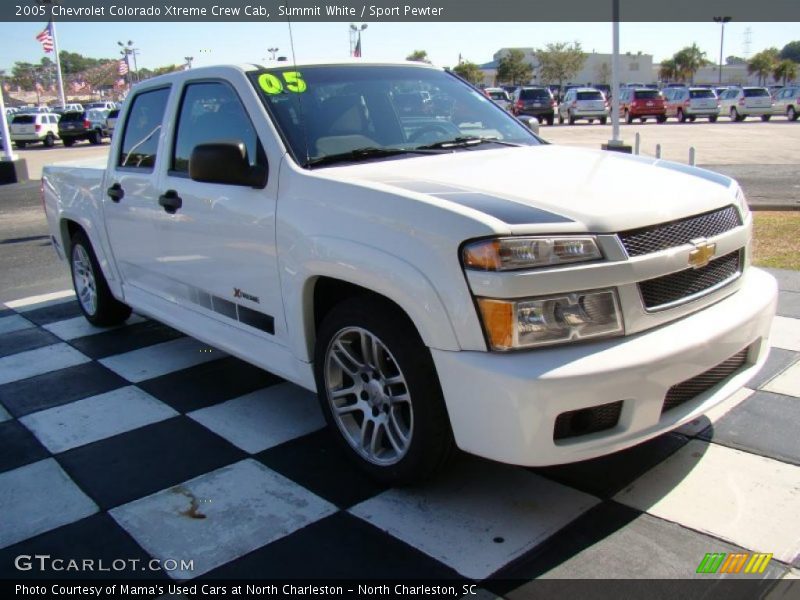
<point x="508" y="211"/>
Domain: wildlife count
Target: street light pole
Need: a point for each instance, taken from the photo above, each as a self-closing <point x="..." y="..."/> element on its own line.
<point x="721" y="21"/>
<point x="188" y="60"/>
<point x="355" y="32"/>
<point x="272" y="52"/>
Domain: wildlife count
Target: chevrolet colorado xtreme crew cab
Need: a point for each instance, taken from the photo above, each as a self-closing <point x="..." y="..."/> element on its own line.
<point x="436" y="272"/>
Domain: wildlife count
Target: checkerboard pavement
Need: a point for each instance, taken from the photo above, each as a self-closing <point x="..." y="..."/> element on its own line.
<point x="139" y="442"/>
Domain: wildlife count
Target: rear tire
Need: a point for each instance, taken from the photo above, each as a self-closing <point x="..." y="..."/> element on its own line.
<point x="681" y="116"/>
<point x="661" y="119"/>
<point x="603" y="120"/>
<point x="379" y="392"/>
<point x="551" y="119"/>
<point x="766" y="118"/>
<point x="628" y="117"/>
<point x="95" y="299"/>
<point x="791" y="113"/>
<point x="571" y="119"/>
<point x="49" y="140"/>
<point x="68" y="142"/>
<point x="712" y="119"/>
<point x="20" y="145"/>
<point x="95" y="138"/>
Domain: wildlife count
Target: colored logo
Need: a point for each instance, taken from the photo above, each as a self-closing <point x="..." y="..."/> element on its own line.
<point x="743" y="562"/>
<point x="702" y="254"/>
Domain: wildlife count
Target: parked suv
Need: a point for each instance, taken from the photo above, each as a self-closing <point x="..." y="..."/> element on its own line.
<point x="34" y="128"/>
<point x="787" y="102"/>
<point x="641" y="103"/>
<point x="499" y="96"/>
<point x="686" y="104"/>
<point x="101" y="105"/>
<point x="87" y="125"/>
<point x="583" y="103"/>
<point x="536" y="102"/>
<point x="740" y="103"/>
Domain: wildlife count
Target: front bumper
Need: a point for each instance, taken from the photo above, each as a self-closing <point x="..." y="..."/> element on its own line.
<point x="504" y="406"/>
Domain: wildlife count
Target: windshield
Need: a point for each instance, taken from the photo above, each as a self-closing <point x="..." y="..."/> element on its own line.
<point x="701" y="94"/>
<point x="646" y="94"/>
<point x="325" y="111"/>
<point x="499" y="95"/>
<point x="534" y="94"/>
<point x="755" y="92"/>
<point x="589" y="96"/>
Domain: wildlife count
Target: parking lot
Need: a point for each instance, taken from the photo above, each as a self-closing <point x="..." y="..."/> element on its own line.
<point x="140" y="443"/>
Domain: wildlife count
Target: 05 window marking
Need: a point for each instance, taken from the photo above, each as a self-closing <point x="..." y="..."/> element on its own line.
<point x="270" y="84"/>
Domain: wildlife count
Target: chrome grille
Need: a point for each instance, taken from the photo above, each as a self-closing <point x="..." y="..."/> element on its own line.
<point x="668" y="235"/>
<point x="691" y="388"/>
<point x="587" y="420"/>
<point x="682" y="286"/>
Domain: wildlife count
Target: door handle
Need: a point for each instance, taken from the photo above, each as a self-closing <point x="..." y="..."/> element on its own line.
<point x="170" y="201"/>
<point x="115" y="192"/>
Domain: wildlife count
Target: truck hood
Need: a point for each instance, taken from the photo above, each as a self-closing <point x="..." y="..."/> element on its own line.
<point x="571" y="188"/>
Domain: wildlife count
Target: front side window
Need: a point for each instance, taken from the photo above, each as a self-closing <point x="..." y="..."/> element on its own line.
<point x="324" y="111"/>
<point x="143" y="128"/>
<point x="212" y="112"/>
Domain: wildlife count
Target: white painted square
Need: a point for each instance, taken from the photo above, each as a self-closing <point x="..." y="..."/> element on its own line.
<point x="785" y="333"/>
<point x="13" y="323"/>
<point x="787" y="382"/>
<point x="160" y="359"/>
<point x="37" y="498"/>
<point x="264" y="418"/>
<point x="4" y="416"/>
<point x="220" y="516"/>
<point x="746" y="499"/>
<point x="70" y="329"/>
<point x="39" y="361"/>
<point x="477" y="517"/>
<point x="41" y="301"/>
<point x="692" y="428"/>
<point x="95" y="418"/>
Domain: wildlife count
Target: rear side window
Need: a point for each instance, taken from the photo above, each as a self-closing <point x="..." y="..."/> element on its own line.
<point x="590" y="96"/>
<point x="646" y="94"/>
<point x="756" y="93"/>
<point x="701" y="94"/>
<point x="24" y="120"/>
<point x="212" y="112"/>
<point x="142" y="129"/>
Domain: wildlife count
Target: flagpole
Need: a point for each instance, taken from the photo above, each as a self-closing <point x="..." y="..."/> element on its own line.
<point x="58" y="66"/>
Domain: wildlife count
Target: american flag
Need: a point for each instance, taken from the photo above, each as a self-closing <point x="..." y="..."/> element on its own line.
<point x="46" y="38"/>
<point x="122" y="69"/>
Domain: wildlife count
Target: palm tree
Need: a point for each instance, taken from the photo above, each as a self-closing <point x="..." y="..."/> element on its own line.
<point x="785" y="70"/>
<point x="689" y="60"/>
<point x="763" y="64"/>
<point x="668" y="70"/>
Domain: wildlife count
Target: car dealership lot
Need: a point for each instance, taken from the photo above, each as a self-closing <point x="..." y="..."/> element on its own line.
<point x="140" y="442"/>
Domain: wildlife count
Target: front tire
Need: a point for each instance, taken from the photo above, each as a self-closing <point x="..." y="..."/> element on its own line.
<point x="791" y="113"/>
<point x="628" y="117"/>
<point x="95" y="138"/>
<point x="766" y="118"/>
<point x="712" y="119"/>
<point x="94" y="297"/>
<point x="68" y="142"/>
<point x="379" y="392"/>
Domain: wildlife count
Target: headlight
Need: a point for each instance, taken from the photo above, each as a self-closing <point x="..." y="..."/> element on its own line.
<point x="506" y="254"/>
<point x="742" y="202"/>
<point x="512" y="324"/>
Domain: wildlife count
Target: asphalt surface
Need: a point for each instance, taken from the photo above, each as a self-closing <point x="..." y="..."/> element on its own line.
<point x="28" y="263"/>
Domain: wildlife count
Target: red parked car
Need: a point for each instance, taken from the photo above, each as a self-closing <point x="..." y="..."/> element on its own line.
<point x="641" y="103"/>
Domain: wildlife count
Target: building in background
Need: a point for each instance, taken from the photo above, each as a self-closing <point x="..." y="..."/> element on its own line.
<point x="634" y="68"/>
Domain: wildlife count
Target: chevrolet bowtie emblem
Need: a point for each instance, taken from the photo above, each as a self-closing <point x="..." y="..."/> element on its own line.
<point x="702" y="254"/>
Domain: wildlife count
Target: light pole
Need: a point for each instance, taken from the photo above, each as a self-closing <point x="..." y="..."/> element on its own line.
<point x="128" y="49"/>
<point x="721" y="21"/>
<point x="272" y="52"/>
<point x="355" y="32"/>
<point x="188" y="60"/>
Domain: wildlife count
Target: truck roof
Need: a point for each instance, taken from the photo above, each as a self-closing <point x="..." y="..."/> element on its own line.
<point x="246" y="67"/>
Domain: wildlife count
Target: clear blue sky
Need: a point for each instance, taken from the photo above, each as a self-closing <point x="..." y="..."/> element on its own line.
<point x="211" y="43"/>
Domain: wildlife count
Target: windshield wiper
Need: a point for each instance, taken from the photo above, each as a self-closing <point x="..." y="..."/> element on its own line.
<point x="365" y="154"/>
<point x="465" y="142"/>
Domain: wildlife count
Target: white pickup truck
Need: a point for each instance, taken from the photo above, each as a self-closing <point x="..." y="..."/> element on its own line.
<point x="386" y="235"/>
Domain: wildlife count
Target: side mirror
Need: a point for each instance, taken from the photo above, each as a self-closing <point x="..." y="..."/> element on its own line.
<point x="531" y="123"/>
<point x="225" y="162"/>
